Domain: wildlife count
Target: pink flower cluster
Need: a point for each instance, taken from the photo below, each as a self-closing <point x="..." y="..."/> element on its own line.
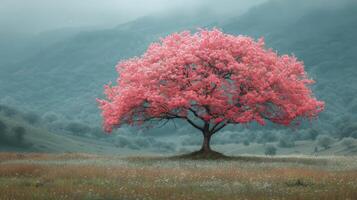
<point x="210" y="76"/>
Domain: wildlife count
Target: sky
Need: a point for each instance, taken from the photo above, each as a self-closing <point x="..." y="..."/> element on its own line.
<point x="33" y="16"/>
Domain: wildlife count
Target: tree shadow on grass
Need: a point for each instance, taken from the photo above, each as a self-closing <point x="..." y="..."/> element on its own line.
<point x="217" y="156"/>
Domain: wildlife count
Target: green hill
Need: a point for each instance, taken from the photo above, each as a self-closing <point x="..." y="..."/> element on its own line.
<point x="21" y="133"/>
<point x="67" y="75"/>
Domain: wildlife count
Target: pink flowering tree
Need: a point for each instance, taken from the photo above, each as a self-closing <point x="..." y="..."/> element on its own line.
<point x="210" y="80"/>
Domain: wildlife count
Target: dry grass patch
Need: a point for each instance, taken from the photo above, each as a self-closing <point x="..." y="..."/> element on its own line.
<point x="78" y="176"/>
<point x="45" y="156"/>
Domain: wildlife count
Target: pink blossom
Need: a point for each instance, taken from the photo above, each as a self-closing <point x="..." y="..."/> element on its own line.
<point x="210" y="76"/>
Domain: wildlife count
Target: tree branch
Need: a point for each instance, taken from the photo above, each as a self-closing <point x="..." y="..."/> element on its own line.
<point x="215" y="126"/>
<point x="219" y="128"/>
<point x="196" y="114"/>
<point x="193" y="124"/>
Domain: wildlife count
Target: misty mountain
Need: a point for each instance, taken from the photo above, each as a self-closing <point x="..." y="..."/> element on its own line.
<point x="324" y="38"/>
<point x="67" y="76"/>
<point x="15" y="47"/>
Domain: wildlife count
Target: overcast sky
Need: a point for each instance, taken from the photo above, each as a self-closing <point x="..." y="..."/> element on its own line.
<point x="40" y="15"/>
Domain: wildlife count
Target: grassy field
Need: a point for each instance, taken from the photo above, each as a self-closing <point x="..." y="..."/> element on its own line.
<point x="86" y="176"/>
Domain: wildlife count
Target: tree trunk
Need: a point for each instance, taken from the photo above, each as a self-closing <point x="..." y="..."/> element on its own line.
<point x="206" y="142"/>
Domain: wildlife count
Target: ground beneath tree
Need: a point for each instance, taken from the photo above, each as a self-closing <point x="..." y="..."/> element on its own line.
<point x="205" y="155"/>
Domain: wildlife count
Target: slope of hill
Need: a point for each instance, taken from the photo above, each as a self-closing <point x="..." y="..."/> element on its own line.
<point x="19" y="135"/>
<point x="322" y="37"/>
<point x="67" y="76"/>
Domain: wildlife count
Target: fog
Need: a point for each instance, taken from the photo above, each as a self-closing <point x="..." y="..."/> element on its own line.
<point x="33" y="16"/>
<point x="55" y="57"/>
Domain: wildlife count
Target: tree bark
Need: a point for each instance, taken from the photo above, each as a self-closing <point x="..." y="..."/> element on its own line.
<point x="206" y="142"/>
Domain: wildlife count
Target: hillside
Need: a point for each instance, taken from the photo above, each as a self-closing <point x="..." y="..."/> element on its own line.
<point x="66" y="76"/>
<point x="324" y="38"/>
<point x="20" y="133"/>
<point x="72" y="72"/>
<point x="27" y="132"/>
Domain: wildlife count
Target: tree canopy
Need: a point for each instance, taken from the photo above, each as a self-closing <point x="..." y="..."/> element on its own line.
<point x="209" y="79"/>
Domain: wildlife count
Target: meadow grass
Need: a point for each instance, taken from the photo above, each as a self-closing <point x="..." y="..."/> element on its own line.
<point x="85" y="176"/>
